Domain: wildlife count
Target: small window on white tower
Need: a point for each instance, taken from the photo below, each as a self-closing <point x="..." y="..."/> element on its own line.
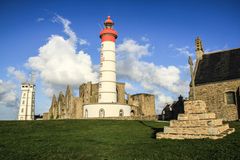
<point x="23" y="102"/>
<point x="24" y="94"/>
<point x="121" y="113"/>
<point x="99" y="96"/>
<point x="101" y="113"/>
<point x="22" y="110"/>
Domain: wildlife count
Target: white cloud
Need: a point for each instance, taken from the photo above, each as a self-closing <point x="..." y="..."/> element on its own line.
<point x="83" y="42"/>
<point x="19" y="75"/>
<point x="59" y="63"/>
<point x="40" y="19"/>
<point x="162" y="100"/>
<point x="66" y="24"/>
<point x="8" y="95"/>
<point x="184" y="51"/>
<point x="129" y="87"/>
<point x="131" y="46"/>
<point x="144" y="39"/>
<point x="153" y="78"/>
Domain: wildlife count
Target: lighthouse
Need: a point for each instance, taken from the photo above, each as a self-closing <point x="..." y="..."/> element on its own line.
<point x="107" y="105"/>
<point x="107" y="76"/>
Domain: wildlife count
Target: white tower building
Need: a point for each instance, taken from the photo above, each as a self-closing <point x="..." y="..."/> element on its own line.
<point x="27" y="102"/>
<point x="107" y="80"/>
<point x="107" y="105"/>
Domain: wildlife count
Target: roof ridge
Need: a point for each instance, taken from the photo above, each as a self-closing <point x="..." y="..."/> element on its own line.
<point x="217" y="51"/>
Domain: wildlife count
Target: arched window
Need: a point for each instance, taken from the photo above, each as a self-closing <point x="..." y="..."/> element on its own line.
<point x="121" y="114"/>
<point x="86" y="113"/>
<point x="101" y="113"/>
<point x="230" y="97"/>
<point x="132" y="113"/>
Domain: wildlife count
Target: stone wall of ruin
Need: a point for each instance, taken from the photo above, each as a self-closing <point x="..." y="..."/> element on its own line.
<point x="69" y="107"/>
<point x="142" y="104"/>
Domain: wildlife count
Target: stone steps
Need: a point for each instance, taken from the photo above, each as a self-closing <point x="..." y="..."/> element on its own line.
<point x="193" y="136"/>
<point x="197" y="130"/>
<point x="196" y="123"/>
<point x="196" y="116"/>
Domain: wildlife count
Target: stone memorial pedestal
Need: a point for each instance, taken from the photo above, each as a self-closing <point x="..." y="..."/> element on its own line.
<point x="195" y="123"/>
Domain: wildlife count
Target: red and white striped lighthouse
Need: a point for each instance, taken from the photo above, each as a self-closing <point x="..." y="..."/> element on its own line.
<point x="107" y="79"/>
<point x="107" y="105"/>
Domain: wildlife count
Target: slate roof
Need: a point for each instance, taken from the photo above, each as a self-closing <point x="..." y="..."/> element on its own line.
<point x="218" y="66"/>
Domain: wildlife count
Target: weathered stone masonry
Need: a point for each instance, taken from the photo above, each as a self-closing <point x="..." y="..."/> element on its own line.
<point x="69" y="107"/>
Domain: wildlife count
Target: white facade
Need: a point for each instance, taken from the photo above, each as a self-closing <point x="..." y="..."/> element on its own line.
<point x="107" y="76"/>
<point x="106" y="110"/>
<point x="27" y="102"/>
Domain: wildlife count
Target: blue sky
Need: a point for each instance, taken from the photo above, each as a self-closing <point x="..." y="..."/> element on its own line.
<point x="160" y="33"/>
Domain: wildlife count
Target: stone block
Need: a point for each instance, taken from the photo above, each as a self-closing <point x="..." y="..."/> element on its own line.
<point x="196" y="116"/>
<point x="197" y="130"/>
<point x="197" y="106"/>
<point x="196" y="123"/>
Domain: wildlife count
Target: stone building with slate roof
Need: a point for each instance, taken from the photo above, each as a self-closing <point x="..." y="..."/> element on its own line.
<point x="216" y="80"/>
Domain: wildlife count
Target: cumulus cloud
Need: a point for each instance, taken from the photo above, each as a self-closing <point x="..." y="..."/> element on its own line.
<point x="153" y="78"/>
<point x="19" y="75"/>
<point x="59" y="63"/>
<point x="8" y="95"/>
<point x="66" y="25"/>
<point x="83" y="42"/>
<point x="129" y="87"/>
<point x="184" y="51"/>
<point x="133" y="47"/>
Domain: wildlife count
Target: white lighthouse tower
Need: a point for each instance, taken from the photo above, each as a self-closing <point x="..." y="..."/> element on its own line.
<point x="107" y="80"/>
<point x="27" y="102"/>
<point x="107" y="105"/>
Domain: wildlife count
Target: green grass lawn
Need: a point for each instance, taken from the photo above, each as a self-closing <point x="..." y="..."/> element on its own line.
<point x="106" y="139"/>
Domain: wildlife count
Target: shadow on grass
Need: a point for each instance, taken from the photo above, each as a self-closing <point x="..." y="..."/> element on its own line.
<point x="155" y="130"/>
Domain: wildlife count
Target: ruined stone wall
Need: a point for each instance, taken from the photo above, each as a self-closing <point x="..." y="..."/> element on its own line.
<point x="121" y="93"/>
<point x="78" y="103"/>
<point x="142" y="104"/>
<point x="214" y="94"/>
<point x="69" y="107"/>
<point x="89" y="93"/>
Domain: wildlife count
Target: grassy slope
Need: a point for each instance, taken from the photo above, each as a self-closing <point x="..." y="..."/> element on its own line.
<point x="106" y="139"/>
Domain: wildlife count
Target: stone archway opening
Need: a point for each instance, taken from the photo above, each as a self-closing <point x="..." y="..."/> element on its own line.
<point x="101" y="113"/>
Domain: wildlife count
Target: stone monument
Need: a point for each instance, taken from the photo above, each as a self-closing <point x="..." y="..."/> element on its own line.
<point x="195" y="123"/>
